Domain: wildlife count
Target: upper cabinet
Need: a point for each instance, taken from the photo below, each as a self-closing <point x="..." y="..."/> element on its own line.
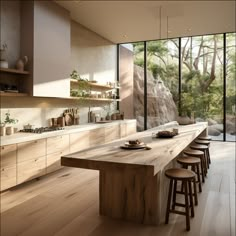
<point x="45" y="39"/>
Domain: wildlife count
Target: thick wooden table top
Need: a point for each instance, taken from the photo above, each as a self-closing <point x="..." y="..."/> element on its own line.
<point x="112" y="157"/>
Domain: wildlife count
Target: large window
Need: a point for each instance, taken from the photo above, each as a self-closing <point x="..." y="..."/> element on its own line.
<point x="192" y="77"/>
<point x="202" y="81"/>
<point x="230" y="87"/>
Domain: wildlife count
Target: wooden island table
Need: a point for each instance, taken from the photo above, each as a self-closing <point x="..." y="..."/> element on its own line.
<point x="132" y="185"/>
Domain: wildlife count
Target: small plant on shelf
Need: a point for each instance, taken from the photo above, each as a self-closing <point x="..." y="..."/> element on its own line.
<point x="9" y="122"/>
<point x="83" y="89"/>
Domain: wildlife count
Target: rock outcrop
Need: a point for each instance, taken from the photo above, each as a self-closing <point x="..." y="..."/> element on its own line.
<point x="161" y="107"/>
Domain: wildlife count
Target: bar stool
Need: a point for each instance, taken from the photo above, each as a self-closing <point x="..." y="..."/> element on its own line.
<point x="204" y="149"/>
<point x="198" y="154"/>
<point x="207" y="143"/>
<point x="194" y="163"/>
<point x="208" y="138"/>
<point x="187" y="177"/>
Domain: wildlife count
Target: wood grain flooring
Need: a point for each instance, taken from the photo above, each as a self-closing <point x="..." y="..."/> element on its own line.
<point x="65" y="203"/>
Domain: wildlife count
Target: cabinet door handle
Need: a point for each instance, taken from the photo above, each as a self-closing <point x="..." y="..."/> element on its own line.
<point x="3" y="148"/>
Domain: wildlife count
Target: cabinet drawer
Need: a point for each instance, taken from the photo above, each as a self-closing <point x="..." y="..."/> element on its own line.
<point x="54" y="161"/>
<point x="31" y="150"/>
<point x="79" y="141"/>
<point x="111" y="133"/>
<point x="131" y="128"/>
<point x="8" y="155"/>
<point x="8" y="177"/>
<point x="122" y="130"/>
<point x="97" y="136"/>
<point x="30" y="169"/>
<point x="57" y="144"/>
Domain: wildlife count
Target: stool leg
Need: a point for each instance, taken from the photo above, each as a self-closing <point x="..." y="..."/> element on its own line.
<point x="174" y="195"/>
<point x="168" y="202"/>
<point x="208" y="152"/>
<point x="186" y="205"/>
<point x="202" y="170"/>
<point x="205" y="163"/>
<point x="195" y="191"/>
<point x="199" y="179"/>
<point x="191" y="197"/>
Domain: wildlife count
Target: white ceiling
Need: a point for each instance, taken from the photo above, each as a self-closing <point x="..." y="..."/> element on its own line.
<point x="130" y="21"/>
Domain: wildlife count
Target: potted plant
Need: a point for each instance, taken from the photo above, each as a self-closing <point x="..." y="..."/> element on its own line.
<point x="9" y="123"/>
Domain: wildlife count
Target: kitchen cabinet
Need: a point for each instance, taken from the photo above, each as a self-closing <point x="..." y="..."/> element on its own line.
<point x="8" y="166"/>
<point x="31" y="169"/>
<point x="97" y="136"/>
<point x="30" y="150"/>
<point x="112" y="133"/>
<point x="45" y="39"/>
<point x="56" y="147"/>
<point x="31" y="160"/>
<point x="131" y="128"/>
<point x="79" y="141"/>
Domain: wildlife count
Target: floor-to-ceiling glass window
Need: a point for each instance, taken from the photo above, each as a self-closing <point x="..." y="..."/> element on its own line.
<point x="204" y="72"/>
<point x="162" y="81"/>
<point x="230" y="86"/>
<point x="202" y="81"/>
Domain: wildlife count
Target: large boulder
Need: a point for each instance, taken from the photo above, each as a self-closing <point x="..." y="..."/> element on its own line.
<point x="184" y="120"/>
<point x="213" y="132"/>
<point x="230" y="127"/>
<point x="160" y="103"/>
<point x="211" y="122"/>
<point x="218" y="127"/>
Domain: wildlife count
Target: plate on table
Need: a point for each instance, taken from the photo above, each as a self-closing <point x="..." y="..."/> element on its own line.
<point x="127" y="145"/>
<point x="165" y="134"/>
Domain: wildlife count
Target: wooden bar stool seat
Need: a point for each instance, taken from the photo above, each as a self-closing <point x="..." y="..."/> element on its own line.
<point x="208" y="138"/>
<point x="186" y="177"/>
<point x="194" y="163"/>
<point x="204" y="149"/>
<point x="198" y="154"/>
<point x="207" y="143"/>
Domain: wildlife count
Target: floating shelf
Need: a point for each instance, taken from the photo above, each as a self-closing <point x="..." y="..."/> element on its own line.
<point x="93" y="86"/>
<point x="6" y="94"/>
<point x="14" y="71"/>
<point x="96" y="99"/>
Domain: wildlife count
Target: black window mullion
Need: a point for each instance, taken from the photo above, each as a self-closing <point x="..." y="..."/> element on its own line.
<point x="224" y="87"/>
<point x="145" y="85"/>
<point x="180" y="77"/>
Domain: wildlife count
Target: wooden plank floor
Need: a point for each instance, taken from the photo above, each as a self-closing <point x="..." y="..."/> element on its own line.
<point x="65" y="203"/>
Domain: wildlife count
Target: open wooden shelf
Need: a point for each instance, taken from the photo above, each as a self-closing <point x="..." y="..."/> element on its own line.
<point x="93" y="86"/>
<point x="6" y="94"/>
<point x="96" y="99"/>
<point x="14" y="71"/>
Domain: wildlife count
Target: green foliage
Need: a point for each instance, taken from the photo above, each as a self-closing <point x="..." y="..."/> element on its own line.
<point x="9" y="120"/>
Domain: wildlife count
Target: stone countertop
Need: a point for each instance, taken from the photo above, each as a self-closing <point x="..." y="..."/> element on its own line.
<point x="24" y="137"/>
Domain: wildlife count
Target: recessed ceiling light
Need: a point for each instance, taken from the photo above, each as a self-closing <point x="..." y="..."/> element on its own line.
<point x="124" y="35"/>
<point x="189" y="29"/>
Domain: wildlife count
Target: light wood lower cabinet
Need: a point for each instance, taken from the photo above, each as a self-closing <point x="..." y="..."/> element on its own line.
<point x="79" y="141"/>
<point x="27" y="160"/>
<point x="97" y="136"/>
<point x="131" y="128"/>
<point x="57" y="143"/>
<point x="56" y="147"/>
<point x="8" y="166"/>
<point x="112" y="133"/>
<point x="30" y="150"/>
<point x="31" y="169"/>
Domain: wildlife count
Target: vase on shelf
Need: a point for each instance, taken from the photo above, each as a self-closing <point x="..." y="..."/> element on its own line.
<point x="3" y="57"/>
<point x="20" y="64"/>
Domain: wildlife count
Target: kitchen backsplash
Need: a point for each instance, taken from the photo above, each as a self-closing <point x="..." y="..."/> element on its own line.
<point x="39" y="111"/>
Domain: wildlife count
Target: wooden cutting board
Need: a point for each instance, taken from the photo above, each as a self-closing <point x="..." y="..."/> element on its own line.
<point x="69" y="119"/>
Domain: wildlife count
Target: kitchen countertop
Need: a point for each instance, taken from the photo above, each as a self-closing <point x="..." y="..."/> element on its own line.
<point x="24" y="137"/>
